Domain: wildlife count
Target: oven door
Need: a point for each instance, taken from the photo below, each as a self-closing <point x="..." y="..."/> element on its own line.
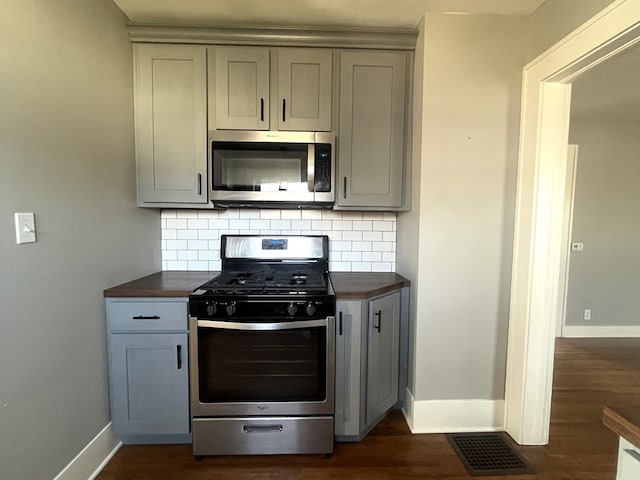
<point x="283" y="368"/>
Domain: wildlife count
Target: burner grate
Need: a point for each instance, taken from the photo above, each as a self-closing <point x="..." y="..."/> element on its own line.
<point x="488" y="454"/>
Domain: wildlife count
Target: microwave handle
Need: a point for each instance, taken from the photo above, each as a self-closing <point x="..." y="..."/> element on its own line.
<point x="311" y="176"/>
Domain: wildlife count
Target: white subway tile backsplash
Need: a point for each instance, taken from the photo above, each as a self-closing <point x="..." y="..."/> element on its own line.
<point x="363" y="225"/>
<point x="361" y="266"/>
<point x="198" y="244"/>
<point x="176" y="223"/>
<point x="270" y="214"/>
<point x="218" y="224"/>
<point x="301" y="224"/>
<point x="383" y="226"/>
<point x="197" y="223"/>
<point x="351" y="256"/>
<point x="187" y="255"/>
<point x="169" y="234"/>
<point x="371" y="256"/>
<point x="281" y="224"/>
<point x="311" y="214"/>
<point x="320" y="224"/>
<point x="358" y="241"/>
<point x="372" y="236"/>
<point x="353" y="236"/>
<point x="290" y="214"/>
<point x="342" y="225"/>
<point x="198" y="265"/>
<point x="362" y="246"/>
<point x="187" y="234"/>
<point x="249" y="213"/>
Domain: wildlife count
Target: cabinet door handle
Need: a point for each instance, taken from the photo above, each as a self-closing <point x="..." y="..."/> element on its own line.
<point x="146" y="317"/>
<point x="199" y="184"/>
<point x="262" y="109"/>
<point x="179" y="355"/>
<point x="340" y="324"/>
<point x="284" y="109"/>
<point x="379" y="326"/>
<point x="344" y="187"/>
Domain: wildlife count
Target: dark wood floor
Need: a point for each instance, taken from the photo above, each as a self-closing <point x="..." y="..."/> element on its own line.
<point x="589" y="373"/>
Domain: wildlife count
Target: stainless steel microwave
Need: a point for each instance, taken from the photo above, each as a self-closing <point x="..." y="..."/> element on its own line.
<point x="271" y="169"/>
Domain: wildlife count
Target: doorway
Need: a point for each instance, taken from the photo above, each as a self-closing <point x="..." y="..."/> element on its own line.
<point x="538" y="249"/>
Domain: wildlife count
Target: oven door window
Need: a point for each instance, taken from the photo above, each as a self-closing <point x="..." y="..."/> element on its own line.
<point x="262" y="366"/>
<point x="260" y="167"/>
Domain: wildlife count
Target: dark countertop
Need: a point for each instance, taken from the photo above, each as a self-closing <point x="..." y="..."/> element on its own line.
<point x="347" y="285"/>
<point x="624" y="421"/>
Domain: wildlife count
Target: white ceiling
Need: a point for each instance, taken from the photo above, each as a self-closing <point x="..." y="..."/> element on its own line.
<point x="345" y="13"/>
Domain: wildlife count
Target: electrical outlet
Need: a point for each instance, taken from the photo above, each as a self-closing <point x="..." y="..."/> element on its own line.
<point x="587" y="314"/>
<point x="577" y="247"/>
<point x="25" y="228"/>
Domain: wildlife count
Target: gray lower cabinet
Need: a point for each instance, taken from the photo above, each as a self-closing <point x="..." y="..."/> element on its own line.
<point x="373" y="160"/>
<point x="170" y="97"/>
<point x="149" y="369"/>
<point x="367" y="363"/>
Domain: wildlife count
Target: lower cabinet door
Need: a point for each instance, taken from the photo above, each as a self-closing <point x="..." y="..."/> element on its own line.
<point x="383" y="355"/>
<point x="149" y="383"/>
<point x="349" y="375"/>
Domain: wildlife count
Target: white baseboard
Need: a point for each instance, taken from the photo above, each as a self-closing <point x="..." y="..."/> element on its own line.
<point x="92" y="458"/>
<point x="582" y="331"/>
<point x="451" y="416"/>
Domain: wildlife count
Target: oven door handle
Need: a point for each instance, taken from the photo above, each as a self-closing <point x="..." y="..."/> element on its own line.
<point x="262" y="326"/>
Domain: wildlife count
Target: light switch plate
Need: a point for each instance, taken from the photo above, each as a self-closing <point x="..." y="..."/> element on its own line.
<point x="25" y="228"/>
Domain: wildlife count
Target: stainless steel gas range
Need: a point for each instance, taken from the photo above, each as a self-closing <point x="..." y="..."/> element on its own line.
<point x="262" y="349"/>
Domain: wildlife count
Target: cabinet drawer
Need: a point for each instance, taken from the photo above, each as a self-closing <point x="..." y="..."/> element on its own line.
<point x="156" y="315"/>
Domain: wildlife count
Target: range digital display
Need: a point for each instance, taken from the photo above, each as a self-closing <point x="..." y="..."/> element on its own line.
<point x="275" y="244"/>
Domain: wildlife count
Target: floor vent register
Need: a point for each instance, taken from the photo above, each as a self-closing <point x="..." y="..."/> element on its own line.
<point x="489" y="454"/>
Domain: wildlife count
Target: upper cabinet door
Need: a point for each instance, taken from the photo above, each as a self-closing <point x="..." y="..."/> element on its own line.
<point x="371" y="154"/>
<point x="171" y="123"/>
<point x="242" y="88"/>
<point x="304" y="89"/>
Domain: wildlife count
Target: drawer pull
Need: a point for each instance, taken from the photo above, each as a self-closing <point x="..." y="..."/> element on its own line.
<point x="146" y="317"/>
<point x="261" y="428"/>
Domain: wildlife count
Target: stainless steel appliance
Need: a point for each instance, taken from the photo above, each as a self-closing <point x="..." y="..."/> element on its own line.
<point x="272" y="169"/>
<point x="262" y="349"/>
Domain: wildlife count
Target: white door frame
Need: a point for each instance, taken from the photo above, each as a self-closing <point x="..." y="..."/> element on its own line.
<point x="537" y="258"/>
<point x="565" y="252"/>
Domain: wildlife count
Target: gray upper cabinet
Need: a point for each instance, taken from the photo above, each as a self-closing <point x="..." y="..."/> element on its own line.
<point x="241" y="88"/>
<point x="372" y="165"/>
<point x="304" y="89"/>
<point x="170" y="92"/>
<point x="257" y="88"/>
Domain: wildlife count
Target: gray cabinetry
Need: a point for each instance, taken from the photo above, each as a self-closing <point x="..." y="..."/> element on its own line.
<point x="149" y="369"/>
<point x="372" y="156"/>
<point x="170" y="123"/>
<point x="367" y="363"/>
<point x="257" y="88"/>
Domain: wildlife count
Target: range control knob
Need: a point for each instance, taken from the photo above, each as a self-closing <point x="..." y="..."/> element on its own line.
<point x="231" y="309"/>
<point x="292" y="309"/>
<point x="212" y="308"/>
<point x="310" y="309"/>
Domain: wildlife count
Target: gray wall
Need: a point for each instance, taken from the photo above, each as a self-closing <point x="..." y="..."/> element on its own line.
<point x="555" y="19"/>
<point x="66" y="130"/>
<point x="456" y="243"/>
<point x="605" y="276"/>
